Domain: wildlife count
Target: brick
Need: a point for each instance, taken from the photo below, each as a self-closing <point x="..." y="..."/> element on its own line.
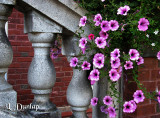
<point x="20" y="26"/>
<point x="67" y="79"/>
<point x="150" y="63"/>
<point x="13" y="76"/>
<point x="144" y="75"/>
<point x="12" y="82"/>
<point x="24" y="76"/>
<point x="59" y="84"/>
<point x="24" y="54"/>
<point x="24" y="49"/>
<point x="22" y="37"/>
<point x="155" y="74"/>
<point x="15" y="43"/>
<point x="26" y="43"/>
<point x="14" y="20"/>
<point x="15" y="65"/>
<point x="23" y="92"/>
<point x="146" y="110"/>
<point x="150" y="86"/>
<point x="68" y="74"/>
<point x="12" y="37"/>
<point x="13" y="32"/>
<point x="11" y="26"/>
<point x="59" y="74"/>
<point x="21" y="82"/>
<point x="67" y="69"/>
<point x="20" y="15"/>
<point x="16" y="54"/>
<point x="24" y="59"/>
<point x="24" y="86"/>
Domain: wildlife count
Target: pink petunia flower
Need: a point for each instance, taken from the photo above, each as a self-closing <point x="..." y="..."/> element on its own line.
<point x="143" y="24"/>
<point x="107" y="100"/>
<point x="98" y="60"/>
<point x="134" y="105"/>
<point x="128" y="65"/>
<point x="105" y="26"/>
<point x="82" y="42"/>
<point x="134" y="54"/>
<point x="112" y="112"/>
<point x="128" y="107"/>
<point x="113" y="25"/>
<point x="74" y="62"/>
<point x="103" y="34"/>
<point x="91" y="36"/>
<point x="83" y="21"/>
<point x="123" y="10"/>
<point x="138" y="96"/>
<point x="94" y="75"/>
<point x="158" y="55"/>
<point x="94" y="101"/>
<point x="83" y="50"/>
<point x="86" y="65"/>
<point x="158" y="97"/>
<point x="114" y="75"/>
<point x="140" y="61"/>
<point x="115" y="53"/>
<point x="115" y="63"/>
<point x="101" y="42"/>
<point x="97" y="19"/>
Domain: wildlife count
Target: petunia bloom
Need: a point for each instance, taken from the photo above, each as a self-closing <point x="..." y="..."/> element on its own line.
<point x="105" y="26"/>
<point x="115" y="63"/>
<point x="82" y="42"/>
<point x="94" y="101"/>
<point x="114" y="75"/>
<point x="103" y="34"/>
<point x="158" y="97"/>
<point x="134" y="105"/>
<point x="94" y="75"/>
<point x="98" y="61"/>
<point x="112" y="112"/>
<point x="101" y="42"/>
<point x="140" y="61"/>
<point x="138" y="96"/>
<point x="107" y="100"/>
<point x="97" y="19"/>
<point x="74" y="62"/>
<point x="83" y="21"/>
<point x="115" y="53"/>
<point x="86" y="65"/>
<point x="143" y="24"/>
<point x="134" y="54"/>
<point x="158" y="55"/>
<point x="113" y="25"/>
<point x="128" y="65"/>
<point x="128" y="107"/>
<point x="91" y="36"/>
<point x="123" y="10"/>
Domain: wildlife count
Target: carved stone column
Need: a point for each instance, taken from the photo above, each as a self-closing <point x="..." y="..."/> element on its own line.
<point x="79" y="92"/>
<point x="41" y="74"/>
<point x="8" y="97"/>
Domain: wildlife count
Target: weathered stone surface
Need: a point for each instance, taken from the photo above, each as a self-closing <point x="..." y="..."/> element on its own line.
<point x="60" y="12"/>
<point x="9" y="2"/>
<point x="6" y="114"/>
<point x="35" y="22"/>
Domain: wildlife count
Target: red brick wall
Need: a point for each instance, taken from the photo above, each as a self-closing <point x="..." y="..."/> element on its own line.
<point x="22" y="56"/>
<point x="150" y="77"/>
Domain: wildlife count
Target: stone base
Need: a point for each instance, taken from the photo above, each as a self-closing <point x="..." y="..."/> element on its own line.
<point x="8" y="100"/>
<point x="6" y="114"/>
<point x="38" y="114"/>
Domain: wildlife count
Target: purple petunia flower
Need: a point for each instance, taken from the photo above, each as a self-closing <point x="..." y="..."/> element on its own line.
<point x="114" y="75"/>
<point x="115" y="53"/>
<point x="103" y="34"/>
<point x="94" y="101"/>
<point x="158" y="55"/>
<point x="101" y="42"/>
<point x="113" y="25"/>
<point x="143" y="24"/>
<point x="97" y="19"/>
<point x="115" y="63"/>
<point x="83" y="21"/>
<point x="82" y="42"/>
<point x="140" y="61"/>
<point x="94" y="75"/>
<point x="86" y="65"/>
<point x="138" y="96"/>
<point x="74" y="62"/>
<point x="98" y="60"/>
<point x="128" y="65"/>
<point x="104" y="109"/>
<point x="105" y="26"/>
<point x="128" y="107"/>
<point x="54" y="55"/>
<point x="134" y="54"/>
<point x="123" y="10"/>
<point x="158" y="97"/>
<point x="107" y="100"/>
<point x="134" y="105"/>
<point x="112" y="112"/>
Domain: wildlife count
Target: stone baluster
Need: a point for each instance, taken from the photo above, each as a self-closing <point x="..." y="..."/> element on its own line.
<point x="8" y="97"/>
<point x="41" y="74"/>
<point x="79" y="92"/>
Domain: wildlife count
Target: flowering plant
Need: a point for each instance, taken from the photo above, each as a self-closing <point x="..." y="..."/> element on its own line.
<point x="121" y="31"/>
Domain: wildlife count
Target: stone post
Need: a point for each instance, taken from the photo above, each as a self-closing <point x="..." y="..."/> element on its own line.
<point x="79" y="92"/>
<point x="41" y="74"/>
<point x="8" y="97"/>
